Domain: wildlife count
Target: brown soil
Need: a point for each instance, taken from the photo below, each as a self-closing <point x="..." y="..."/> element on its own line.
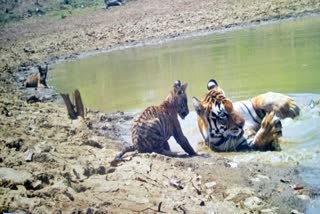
<point x="50" y="163"/>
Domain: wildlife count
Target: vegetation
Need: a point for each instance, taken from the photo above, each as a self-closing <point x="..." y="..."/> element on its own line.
<point x="15" y="10"/>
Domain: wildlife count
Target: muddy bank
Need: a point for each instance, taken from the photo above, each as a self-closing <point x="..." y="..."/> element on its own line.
<point x="32" y="40"/>
<point x="50" y="163"/>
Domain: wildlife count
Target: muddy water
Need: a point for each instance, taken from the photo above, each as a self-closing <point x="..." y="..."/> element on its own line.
<point x="282" y="57"/>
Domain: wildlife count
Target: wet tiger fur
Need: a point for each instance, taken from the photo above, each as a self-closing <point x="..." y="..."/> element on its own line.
<point x="38" y="80"/>
<point x="246" y="125"/>
<point x="153" y="128"/>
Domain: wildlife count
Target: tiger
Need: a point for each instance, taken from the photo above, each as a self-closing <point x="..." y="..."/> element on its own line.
<point x="247" y="125"/>
<point x="153" y="128"/>
<point x="38" y="80"/>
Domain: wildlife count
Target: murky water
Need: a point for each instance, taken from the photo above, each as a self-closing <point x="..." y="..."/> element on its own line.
<point x="282" y="57"/>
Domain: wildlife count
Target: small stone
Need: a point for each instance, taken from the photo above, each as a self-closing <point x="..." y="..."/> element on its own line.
<point x="37" y="185"/>
<point x="110" y="170"/>
<point x="297" y="187"/>
<point x="232" y="164"/>
<point x="304" y="197"/>
<point x="210" y="184"/>
<point x="89" y="211"/>
<point x="295" y="212"/>
<point x="101" y="170"/>
<point x="253" y="203"/>
<point x="28" y="155"/>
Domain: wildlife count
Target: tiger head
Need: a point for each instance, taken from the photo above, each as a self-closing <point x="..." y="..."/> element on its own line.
<point x="180" y="99"/>
<point x="43" y="71"/>
<point x="216" y="115"/>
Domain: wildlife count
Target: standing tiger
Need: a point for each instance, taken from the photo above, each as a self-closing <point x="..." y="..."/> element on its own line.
<point x="38" y="80"/>
<point x="243" y="126"/>
<point x="153" y="128"/>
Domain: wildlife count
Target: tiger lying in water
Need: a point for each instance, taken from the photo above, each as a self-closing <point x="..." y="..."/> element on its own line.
<point x="242" y="126"/>
<point x="153" y="128"/>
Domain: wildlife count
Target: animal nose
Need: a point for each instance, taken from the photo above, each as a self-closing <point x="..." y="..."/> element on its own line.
<point x="183" y="114"/>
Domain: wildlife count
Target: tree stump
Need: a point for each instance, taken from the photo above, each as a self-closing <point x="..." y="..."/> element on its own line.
<point x="75" y="108"/>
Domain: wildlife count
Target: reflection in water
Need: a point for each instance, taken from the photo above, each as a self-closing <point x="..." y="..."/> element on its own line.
<point x="282" y="57"/>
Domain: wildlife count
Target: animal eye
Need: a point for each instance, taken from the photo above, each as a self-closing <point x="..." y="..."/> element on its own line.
<point x="179" y="92"/>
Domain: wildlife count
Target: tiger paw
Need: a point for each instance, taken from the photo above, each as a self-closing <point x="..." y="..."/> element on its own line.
<point x="283" y="105"/>
<point x="267" y="137"/>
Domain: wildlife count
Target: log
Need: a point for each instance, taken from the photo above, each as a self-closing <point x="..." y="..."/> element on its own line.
<point x="79" y="104"/>
<point x="77" y="109"/>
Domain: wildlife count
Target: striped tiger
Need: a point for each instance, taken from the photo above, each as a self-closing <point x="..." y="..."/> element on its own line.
<point x="153" y="128"/>
<point x="245" y="125"/>
<point x="38" y="80"/>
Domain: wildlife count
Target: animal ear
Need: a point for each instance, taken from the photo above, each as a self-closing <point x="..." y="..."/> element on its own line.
<point x="177" y="86"/>
<point x="184" y="86"/>
<point x="212" y="84"/>
<point x="197" y="106"/>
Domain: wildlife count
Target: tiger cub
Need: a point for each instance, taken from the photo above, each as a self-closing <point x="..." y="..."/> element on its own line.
<point x="153" y="128"/>
<point x="38" y="80"/>
<point x="246" y="125"/>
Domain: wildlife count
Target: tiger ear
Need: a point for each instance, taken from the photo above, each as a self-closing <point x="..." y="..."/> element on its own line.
<point x="184" y="86"/>
<point x="177" y="85"/>
<point x="197" y="106"/>
<point x="212" y="84"/>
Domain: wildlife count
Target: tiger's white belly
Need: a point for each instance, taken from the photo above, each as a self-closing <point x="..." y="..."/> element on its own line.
<point x="245" y="109"/>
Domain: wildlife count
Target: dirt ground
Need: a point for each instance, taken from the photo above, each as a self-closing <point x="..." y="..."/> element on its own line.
<point x="51" y="164"/>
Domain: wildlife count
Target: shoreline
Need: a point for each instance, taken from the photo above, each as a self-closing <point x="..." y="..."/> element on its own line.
<point x="64" y="164"/>
<point x="169" y="39"/>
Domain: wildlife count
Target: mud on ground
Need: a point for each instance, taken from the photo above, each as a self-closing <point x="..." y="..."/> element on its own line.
<point x="50" y="163"/>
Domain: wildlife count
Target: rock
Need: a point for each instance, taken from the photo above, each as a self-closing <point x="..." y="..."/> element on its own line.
<point x="44" y="177"/>
<point x="37" y="185"/>
<point x="79" y="171"/>
<point x="295" y="212"/>
<point x="210" y="184"/>
<point x="15" y="144"/>
<point x="260" y="178"/>
<point x="138" y="200"/>
<point x="304" y="197"/>
<point x="33" y="99"/>
<point x="237" y="194"/>
<point x="92" y="143"/>
<point x="89" y="211"/>
<point x="28" y="155"/>
<point x="272" y="210"/>
<point x="110" y="170"/>
<point x="297" y="187"/>
<point x="253" y="203"/>
<point x="101" y="170"/>
<point x="28" y="49"/>
<point x="232" y="164"/>
<point x="88" y="171"/>
<point x="43" y="157"/>
<point x="14" y="176"/>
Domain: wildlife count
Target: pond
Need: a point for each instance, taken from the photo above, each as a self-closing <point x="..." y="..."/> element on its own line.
<point x="282" y="57"/>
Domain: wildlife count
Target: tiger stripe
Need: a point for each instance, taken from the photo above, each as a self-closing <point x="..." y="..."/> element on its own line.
<point x="153" y="128"/>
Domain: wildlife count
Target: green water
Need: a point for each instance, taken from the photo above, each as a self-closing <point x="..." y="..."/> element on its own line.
<point x="282" y="57"/>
